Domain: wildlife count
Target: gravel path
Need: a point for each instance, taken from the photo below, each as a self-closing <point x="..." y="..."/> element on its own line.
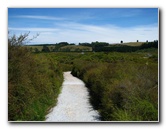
<point x="73" y="103"/>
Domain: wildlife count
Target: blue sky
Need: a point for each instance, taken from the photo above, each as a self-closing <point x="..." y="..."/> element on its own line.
<point x="76" y="25"/>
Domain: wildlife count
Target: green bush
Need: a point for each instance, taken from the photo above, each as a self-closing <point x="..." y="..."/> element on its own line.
<point x="122" y="89"/>
<point x="34" y="83"/>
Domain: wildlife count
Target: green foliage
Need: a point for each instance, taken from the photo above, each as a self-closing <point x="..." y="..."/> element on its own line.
<point x="75" y="48"/>
<point x="85" y="44"/>
<point x="149" y="45"/>
<point x="123" y="86"/>
<point x="36" y="50"/>
<point x="34" y="82"/>
<point x="45" y="49"/>
<point x="130" y="47"/>
<point x="64" y="59"/>
<point x="96" y="46"/>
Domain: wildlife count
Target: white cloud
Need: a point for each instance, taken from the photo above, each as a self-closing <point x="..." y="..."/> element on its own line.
<point x="39" y="17"/>
<point x="108" y="33"/>
<point x="75" y="33"/>
<point x="34" y="29"/>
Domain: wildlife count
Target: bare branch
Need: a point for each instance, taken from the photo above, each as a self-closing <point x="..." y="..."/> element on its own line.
<point x="20" y="40"/>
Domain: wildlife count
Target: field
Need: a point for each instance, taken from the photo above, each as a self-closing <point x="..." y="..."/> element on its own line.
<point x="133" y="43"/>
<point x="39" y="48"/>
<point x="123" y="85"/>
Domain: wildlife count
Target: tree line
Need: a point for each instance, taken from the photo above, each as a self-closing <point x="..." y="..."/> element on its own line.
<point x="101" y="47"/>
<point x="105" y="47"/>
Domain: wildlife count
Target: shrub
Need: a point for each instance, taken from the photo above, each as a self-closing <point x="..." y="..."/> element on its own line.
<point x="123" y="87"/>
<point x="34" y="83"/>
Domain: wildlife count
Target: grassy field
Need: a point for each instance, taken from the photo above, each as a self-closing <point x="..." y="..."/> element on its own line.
<point x="33" y="48"/>
<point x="134" y="43"/>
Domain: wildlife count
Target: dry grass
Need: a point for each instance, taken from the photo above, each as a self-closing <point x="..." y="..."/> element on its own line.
<point x="133" y="43"/>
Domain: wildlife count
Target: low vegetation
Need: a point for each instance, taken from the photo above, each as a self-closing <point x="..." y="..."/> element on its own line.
<point x="75" y="48"/>
<point x="123" y="86"/>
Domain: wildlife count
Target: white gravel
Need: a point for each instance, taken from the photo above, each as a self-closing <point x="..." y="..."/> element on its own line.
<point x="73" y="103"/>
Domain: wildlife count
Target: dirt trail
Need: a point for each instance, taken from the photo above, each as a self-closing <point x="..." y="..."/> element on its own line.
<point x="73" y="103"/>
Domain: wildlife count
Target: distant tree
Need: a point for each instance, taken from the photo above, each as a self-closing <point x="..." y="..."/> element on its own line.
<point x="85" y="44"/>
<point x="121" y="41"/>
<point x="36" y="50"/>
<point x="45" y="49"/>
<point x="156" y="41"/>
<point x="71" y="44"/>
<point x="137" y="41"/>
<point x="15" y="44"/>
<point x="147" y="41"/>
<point x="96" y="46"/>
<point x="64" y="43"/>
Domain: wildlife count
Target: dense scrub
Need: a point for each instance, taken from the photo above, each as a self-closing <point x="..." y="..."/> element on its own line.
<point x="65" y="59"/>
<point x="34" y="82"/>
<point x="123" y="86"/>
